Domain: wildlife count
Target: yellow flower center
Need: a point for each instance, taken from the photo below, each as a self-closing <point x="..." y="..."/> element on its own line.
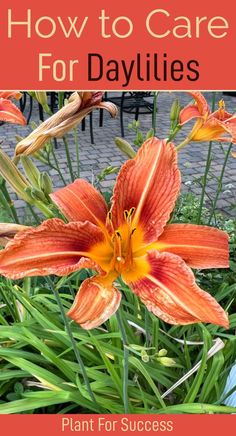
<point x="117" y="254"/>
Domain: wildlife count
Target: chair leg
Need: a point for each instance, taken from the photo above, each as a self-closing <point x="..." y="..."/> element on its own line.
<point x="136" y="113"/>
<point x="100" y="117"/>
<point x="30" y="109"/>
<point x="41" y="114"/>
<point x="121" y="115"/>
<point x="83" y="125"/>
<point x="91" y="127"/>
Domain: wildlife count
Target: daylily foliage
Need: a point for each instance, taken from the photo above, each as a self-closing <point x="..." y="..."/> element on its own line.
<point x="133" y="241"/>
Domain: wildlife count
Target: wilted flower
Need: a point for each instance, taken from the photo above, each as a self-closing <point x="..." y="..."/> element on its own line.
<point x="8" y="231"/>
<point x="132" y="240"/>
<point x="79" y="105"/>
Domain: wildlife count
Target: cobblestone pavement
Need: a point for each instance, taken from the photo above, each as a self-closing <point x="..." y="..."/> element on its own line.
<point x="94" y="158"/>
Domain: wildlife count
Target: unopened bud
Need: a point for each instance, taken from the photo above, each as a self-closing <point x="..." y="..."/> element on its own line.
<point x="125" y="147"/>
<point x="144" y="356"/>
<point x="46" y="183"/>
<point x="13" y="176"/>
<point x="166" y="361"/>
<point x="31" y="171"/>
<point x="175" y="110"/>
<point x="36" y="194"/>
<point x="41" y="97"/>
<point x="162" y="352"/>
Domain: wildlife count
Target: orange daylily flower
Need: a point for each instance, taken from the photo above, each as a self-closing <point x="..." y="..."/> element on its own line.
<point x="209" y="125"/>
<point x="9" y="112"/>
<point x="132" y="240"/>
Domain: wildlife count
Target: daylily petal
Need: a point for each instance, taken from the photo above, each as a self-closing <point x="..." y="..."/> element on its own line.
<point x="200" y="247"/>
<point x="230" y="126"/>
<point x="96" y="301"/>
<point x="10" y="113"/>
<point x="171" y="293"/>
<point x="188" y="113"/>
<point x="11" y="94"/>
<point x="210" y="130"/>
<point x="150" y="183"/>
<point x="201" y="102"/>
<point x="51" y="248"/>
<point x="221" y="115"/>
<point x="80" y="201"/>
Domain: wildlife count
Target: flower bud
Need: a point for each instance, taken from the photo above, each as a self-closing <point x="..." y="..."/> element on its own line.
<point x="46" y="183"/>
<point x="175" y="110"/>
<point x="166" y="361"/>
<point x="36" y="194"/>
<point x="144" y="356"/>
<point x="162" y="352"/>
<point x="41" y="97"/>
<point x="12" y="175"/>
<point x="31" y="171"/>
<point x="125" y="147"/>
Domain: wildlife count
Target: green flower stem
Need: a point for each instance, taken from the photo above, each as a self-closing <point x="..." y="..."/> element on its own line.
<point x="73" y="342"/>
<point x="182" y="144"/>
<point x="57" y="166"/>
<point x="207" y="168"/>
<point x="9" y="202"/>
<point x="36" y="218"/>
<point x="44" y="209"/>
<point x="126" y="361"/>
<point x="219" y="187"/>
<point x="173" y="134"/>
<point x="77" y="151"/>
<point x="68" y="158"/>
<point x="27" y="285"/>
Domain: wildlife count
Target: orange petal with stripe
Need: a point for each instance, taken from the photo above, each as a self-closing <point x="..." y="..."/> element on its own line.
<point x="150" y="183"/>
<point x="10" y="113"/>
<point x="171" y="293"/>
<point x="199" y="109"/>
<point x="200" y="247"/>
<point x="188" y="113"/>
<point x="51" y="248"/>
<point x="80" y="201"/>
<point x="96" y="301"/>
<point x="11" y="94"/>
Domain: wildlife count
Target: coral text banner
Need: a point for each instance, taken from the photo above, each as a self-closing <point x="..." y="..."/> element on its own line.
<point x="129" y="425"/>
<point x="120" y="45"/>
